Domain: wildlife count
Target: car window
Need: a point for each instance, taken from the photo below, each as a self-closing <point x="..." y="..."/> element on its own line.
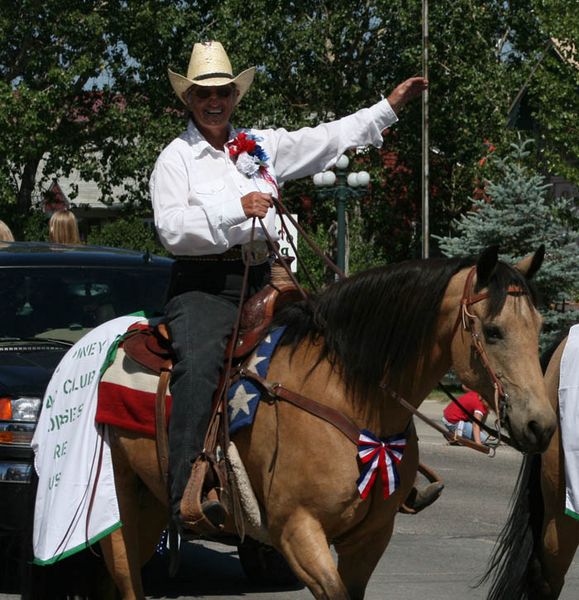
<point x="44" y="301"/>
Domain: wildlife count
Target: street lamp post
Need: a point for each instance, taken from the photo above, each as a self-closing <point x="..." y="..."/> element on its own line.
<point x="341" y="187"/>
<point x="425" y="179"/>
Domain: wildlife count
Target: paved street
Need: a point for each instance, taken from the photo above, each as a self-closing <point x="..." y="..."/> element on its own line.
<point x="436" y="555"/>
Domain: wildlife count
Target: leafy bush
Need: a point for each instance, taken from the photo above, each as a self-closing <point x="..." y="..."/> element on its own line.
<point x="26" y="227"/>
<point x="312" y="272"/>
<point x="130" y="232"/>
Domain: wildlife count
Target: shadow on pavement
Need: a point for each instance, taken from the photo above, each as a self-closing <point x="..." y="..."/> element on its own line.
<point x="204" y="570"/>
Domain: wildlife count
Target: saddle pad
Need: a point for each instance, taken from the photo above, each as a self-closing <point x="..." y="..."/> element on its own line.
<point x="255" y="526"/>
<point x="244" y="395"/>
<point x="127" y="392"/>
<point x="126" y="396"/>
<point x="569" y="418"/>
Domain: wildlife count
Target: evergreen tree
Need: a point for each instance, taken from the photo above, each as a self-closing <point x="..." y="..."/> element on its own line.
<point x="517" y="214"/>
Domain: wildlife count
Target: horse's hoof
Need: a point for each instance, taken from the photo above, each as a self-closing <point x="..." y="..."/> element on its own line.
<point x="419" y="499"/>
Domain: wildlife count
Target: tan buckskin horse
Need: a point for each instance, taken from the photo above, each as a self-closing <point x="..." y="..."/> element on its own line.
<point x="538" y="542"/>
<point x="404" y="325"/>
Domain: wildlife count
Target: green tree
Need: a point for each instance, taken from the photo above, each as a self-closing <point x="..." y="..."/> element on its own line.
<point x="518" y="215"/>
<point x="545" y="38"/>
<point x="73" y="97"/>
<point x="48" y="57"/>
<point x="83" y="86"/>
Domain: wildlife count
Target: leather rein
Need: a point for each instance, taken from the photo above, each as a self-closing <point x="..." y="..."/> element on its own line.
<point x="501" y="397"/>
<point x="343" y="423"/>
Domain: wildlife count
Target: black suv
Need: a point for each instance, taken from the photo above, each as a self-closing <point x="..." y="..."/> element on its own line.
<point x="50" y="296"/>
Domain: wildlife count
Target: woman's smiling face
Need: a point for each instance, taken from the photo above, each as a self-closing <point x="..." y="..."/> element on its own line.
<point x="212" y="107"/>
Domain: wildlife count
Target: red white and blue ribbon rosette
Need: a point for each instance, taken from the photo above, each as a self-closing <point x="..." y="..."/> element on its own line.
<point x="249" y="157"/>
<point x="379" y="456"/>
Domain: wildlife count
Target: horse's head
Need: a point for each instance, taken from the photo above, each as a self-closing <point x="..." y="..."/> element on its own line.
<point x="495" y="349"/>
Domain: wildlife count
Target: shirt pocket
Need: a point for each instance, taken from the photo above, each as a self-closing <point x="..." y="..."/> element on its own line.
<point x="201" y="193"/>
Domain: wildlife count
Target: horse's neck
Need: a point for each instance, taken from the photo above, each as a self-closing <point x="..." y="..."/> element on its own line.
<point x="302" y="372"/>
<point x="424" y="374"/>
<point x="380" y="413"/>
<point x="418" y="381"/>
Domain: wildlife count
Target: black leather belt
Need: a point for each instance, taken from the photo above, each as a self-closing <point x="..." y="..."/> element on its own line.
<point x="234" y="253"/>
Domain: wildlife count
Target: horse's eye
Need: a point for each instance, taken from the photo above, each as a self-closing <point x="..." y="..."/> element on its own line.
<point x="492" y="333"/>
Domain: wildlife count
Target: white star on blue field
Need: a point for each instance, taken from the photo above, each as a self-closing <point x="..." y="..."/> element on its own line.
<point x="244" y="395"/>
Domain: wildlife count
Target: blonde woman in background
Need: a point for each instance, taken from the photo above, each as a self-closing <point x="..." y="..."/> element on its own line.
<point x="63" y="228"/>
<point x="5" y="233"/>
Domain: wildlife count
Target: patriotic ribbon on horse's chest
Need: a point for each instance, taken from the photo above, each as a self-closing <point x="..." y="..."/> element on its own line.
<point x="379" y="456"/>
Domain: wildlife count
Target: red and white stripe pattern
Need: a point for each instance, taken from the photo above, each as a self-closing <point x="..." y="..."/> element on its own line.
<point x="379" y="456"/>
<point x="126" y="396"/>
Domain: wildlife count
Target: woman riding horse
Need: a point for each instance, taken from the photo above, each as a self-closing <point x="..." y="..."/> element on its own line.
<point x="363" y="345"/>
<point x="208" y="188"/>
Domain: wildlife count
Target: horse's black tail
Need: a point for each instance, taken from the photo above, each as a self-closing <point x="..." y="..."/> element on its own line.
<point x="513" y="565"/>
<point x="514" y="568"/>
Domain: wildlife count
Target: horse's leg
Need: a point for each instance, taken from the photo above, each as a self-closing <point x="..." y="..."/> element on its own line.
<point x="303" y="542"/>
<point x="560" y="540"/>
<point x="153" y="499"/>
<point x="153" y="518"/>
<point x="121" y="548"/>
<point x="560" y="532"/>
<point x="361" y="549"/>
<point x="358" y="556"/>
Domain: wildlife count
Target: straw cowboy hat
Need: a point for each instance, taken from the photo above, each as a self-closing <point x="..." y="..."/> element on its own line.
<point x="210" y="66"/>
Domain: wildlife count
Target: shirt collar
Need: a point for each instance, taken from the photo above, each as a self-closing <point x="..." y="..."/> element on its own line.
<point x="198" y="142"/>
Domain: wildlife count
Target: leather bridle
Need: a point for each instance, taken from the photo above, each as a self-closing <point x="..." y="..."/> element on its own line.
<point x="467" y="319"/>
<point x="501" y="397"/>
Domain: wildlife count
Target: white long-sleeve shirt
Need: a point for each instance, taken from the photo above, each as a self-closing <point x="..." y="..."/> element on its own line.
<point x="196" y="189"/>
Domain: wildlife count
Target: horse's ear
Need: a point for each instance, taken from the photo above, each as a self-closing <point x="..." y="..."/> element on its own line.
<point x="486" y="265"/>
<point x="531" y="264"/>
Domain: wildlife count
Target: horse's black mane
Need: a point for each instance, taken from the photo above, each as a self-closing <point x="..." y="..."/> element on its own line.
<point x="550" y="350"/>
<point x="376" y="322"/>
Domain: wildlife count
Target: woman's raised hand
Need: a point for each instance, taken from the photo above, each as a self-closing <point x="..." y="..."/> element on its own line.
<point x="405" y="91"/>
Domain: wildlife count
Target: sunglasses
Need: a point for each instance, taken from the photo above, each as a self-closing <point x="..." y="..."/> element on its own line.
<point x="202" y="93"/>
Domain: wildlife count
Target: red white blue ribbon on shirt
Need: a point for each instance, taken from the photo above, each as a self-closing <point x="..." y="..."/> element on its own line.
<point x="379" y="456"/>
<point x="267" y="176"/>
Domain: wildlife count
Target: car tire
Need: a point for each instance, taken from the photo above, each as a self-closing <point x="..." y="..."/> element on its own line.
<point x="11" y="560"/>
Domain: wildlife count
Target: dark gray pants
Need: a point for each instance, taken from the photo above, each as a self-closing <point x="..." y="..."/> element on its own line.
<point x="200" y="316"/>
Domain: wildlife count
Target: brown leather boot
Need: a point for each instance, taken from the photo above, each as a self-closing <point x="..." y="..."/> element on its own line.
<point x="214" y="512"/>
<point x="207" y="519"/>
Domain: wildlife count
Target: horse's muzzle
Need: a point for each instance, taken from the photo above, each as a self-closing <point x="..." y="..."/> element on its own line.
<point x="534" y="435"/>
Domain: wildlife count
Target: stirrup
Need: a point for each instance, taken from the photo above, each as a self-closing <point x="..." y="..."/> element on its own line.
<point x="210" y="519"/>
<point x="214" y="512"/>
<point x="202" y="513"/>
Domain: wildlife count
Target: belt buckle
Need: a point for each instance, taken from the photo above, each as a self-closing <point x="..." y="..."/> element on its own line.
<point x="255" y="253"/>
